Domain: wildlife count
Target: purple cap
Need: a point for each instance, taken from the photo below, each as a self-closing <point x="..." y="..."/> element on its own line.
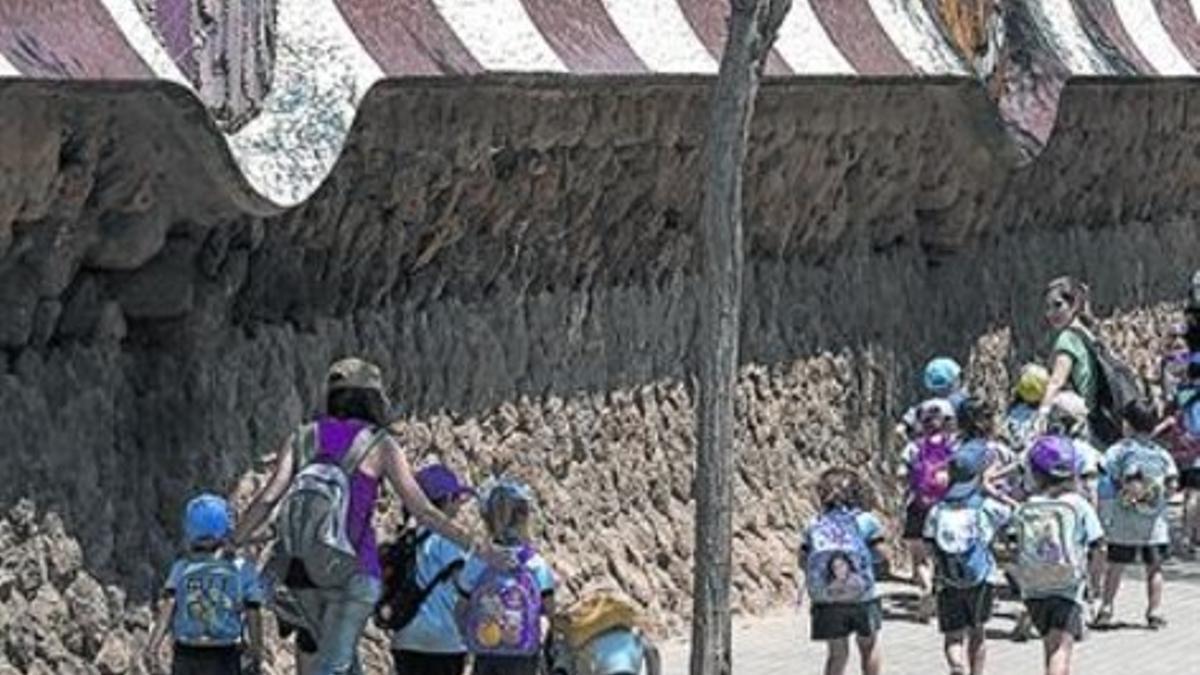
<point x="1054" y="456"/>
<point x="438" y="482"/>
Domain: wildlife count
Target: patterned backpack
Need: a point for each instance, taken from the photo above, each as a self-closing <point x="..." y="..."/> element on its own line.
<point x="962" y="548"/>
<point x="503" y="615"/>
<point x="1051" y="560"/>
<point x="929" y="477"/>
<point x="208" y="603"/>
<point x="840" y="567"/>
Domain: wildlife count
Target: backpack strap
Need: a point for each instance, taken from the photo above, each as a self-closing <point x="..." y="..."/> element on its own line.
<point x="304" y="446"/>
<point x="364" y="442"/>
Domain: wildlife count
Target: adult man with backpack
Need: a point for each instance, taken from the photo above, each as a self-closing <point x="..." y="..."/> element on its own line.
<point x="325" y="566"/>
<point x="1143" y="476"/>
<point x="960" y="531"/>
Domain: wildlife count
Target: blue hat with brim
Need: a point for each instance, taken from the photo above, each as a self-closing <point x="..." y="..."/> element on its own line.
<point x="966" y="467"/>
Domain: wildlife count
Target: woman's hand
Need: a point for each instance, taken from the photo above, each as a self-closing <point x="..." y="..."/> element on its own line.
<point x="496" y="556"/>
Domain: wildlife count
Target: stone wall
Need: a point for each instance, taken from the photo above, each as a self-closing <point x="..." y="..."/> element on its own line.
<point x="518" y="254"/>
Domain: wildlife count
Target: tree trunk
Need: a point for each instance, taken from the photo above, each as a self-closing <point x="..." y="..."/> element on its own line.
<point x="753" y="26"/>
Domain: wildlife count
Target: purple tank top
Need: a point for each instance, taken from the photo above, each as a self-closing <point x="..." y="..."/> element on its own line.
<point x="334" y="437"/>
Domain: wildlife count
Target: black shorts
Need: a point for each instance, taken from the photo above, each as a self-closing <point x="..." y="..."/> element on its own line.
<point x="1148" y="555"/>
<point x="206" y="661"/>
<point x="1060" y="614"/>
<point x="1189" y="479"/>
<point x="507" y="665"/>
<point x="420" y="663"/>
<point x="838" y="621"/>
<point x="914" y="521"/>
<point x="963" y="608"/>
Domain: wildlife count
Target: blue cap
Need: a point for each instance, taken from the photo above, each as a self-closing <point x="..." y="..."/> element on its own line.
<point x="207" y="519"/>
<point x="966" y="467"/>
<point x="941" y="375"/>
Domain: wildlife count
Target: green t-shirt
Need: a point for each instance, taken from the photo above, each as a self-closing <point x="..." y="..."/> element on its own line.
<point x="1083" y="370"/>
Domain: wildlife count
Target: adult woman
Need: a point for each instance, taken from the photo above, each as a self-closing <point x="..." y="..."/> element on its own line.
<point x="356" y="403"/>
<point x="1068" y="312"/>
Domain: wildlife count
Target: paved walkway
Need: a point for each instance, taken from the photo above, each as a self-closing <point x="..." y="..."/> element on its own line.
<point x="779" y="644"/>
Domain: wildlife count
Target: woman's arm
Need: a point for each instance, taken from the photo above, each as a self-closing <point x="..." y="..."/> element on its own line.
<point x="1059" y="375"/>
<point x="264" y="502"/>
<point x="399" y="473"/>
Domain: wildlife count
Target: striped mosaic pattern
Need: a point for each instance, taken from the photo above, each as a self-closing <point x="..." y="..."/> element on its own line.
<point x="367" y="40"/>
<point x="112" y="39"/>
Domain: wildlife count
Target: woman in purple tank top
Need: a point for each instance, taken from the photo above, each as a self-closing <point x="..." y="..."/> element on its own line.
<point x="356" y="403"/>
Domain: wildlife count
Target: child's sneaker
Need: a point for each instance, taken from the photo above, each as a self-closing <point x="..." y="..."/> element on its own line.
<point x="1156" y="621"/>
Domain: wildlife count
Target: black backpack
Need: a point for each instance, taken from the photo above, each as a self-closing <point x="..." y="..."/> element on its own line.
<point x="1117" y="386"/>
<point x="402" y="596"/>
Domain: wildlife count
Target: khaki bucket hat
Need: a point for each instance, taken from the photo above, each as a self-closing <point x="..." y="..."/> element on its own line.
<point x="355" y="373"/>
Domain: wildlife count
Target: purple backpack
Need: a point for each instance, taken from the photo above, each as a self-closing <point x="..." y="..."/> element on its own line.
<point x="503" y="616"/>
<point x="929" y="476"/>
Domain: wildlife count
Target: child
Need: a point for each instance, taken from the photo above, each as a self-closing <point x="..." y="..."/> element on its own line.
<point x="837" y="555"/>
<point x="1180" y="434"/>
<point x="209" y="598"/>
<point x="1143" y="476"/>
<point x="1020" y="420"/>
<point x="1056" y="528"/>
<point x="943" y="380"/>
<point x="960" y="531"/>
<point x="925" y="459"/>
<point x="502" y="609"/>
<point x="430" y="644"/>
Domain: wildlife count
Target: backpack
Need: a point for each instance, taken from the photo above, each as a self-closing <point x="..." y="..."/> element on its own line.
<point x="1021" y="426"/>
<point x="962" y="549"/>
<point x="313" y="516"/>
<point x="1140" y="477"/>
<point x="403" y="596"/>
<point x="840" y="566"/>
<point x="504" y="613"/>
<point x="208" y="603"/>
<point x="1117" y="386"/>
<point x="929" y="477"/>
<point x="1051" y="560"/>
<point x="1185" y="440"/>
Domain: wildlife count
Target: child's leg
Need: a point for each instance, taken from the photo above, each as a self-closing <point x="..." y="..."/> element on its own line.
<point x="1154" y="587"/>
<point x="871" y="655"/>
<point x="837" y="656"/>
<point x="955" y="646"/>
<point x="1191" y="513"/>
<point x="977" y="650"/>
<point x="1058" y="645"/>
<point x="1112" y="583"/>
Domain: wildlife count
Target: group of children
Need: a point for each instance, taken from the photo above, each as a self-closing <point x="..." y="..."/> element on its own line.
<point x="466" y="608"/>
<point x="1036" y="503"/>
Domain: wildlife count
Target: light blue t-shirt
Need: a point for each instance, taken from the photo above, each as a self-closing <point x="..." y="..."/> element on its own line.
<point x="212" y="594"/>
<point x="434" y="629"/>
<point x="872" y="531"/>
<point x="1135" y="511"/>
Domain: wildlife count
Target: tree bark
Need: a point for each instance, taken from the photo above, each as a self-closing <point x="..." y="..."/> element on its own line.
<point x="753" y="26"/>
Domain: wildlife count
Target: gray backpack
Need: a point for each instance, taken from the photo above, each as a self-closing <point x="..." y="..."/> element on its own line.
<point x="313" y="516"/>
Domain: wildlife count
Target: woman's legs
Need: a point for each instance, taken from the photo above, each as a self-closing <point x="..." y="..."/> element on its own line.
<point x="343" y="620"/>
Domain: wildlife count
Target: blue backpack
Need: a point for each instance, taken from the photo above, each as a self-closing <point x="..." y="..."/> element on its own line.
<point x="840" y="567"/>
<point x="961" y="544"/>
<point x="209" y="602"/>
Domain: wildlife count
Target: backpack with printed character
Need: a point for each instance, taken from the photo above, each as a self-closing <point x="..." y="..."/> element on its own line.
<point x="929" y="475"/>
<point x="1141" y="479"/>
<point x="313" y="518"/>
<point x="962" y="549"/>
<point x="503" y="614"/>
<point x="208" y="603"/>
<point x="1051" y="558"/>
<point x="840" y="566"/>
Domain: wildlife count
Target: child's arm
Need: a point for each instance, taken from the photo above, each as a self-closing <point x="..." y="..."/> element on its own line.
<point x="158" y="631"/>
<point x="255" y="630"/>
